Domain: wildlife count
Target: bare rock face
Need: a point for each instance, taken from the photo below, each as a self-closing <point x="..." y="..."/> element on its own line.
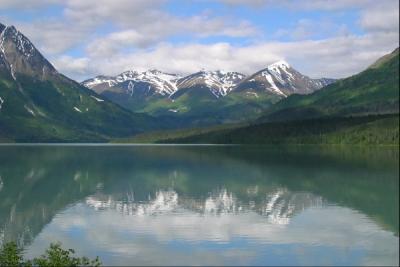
<point x="19" y="56"/>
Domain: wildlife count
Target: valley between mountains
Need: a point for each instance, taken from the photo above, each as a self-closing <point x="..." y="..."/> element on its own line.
<point x="277" y="104"/>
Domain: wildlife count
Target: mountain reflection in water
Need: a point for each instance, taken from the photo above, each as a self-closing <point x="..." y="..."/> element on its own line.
<point x="204" y="205"/>
<point x="277" y="207"/>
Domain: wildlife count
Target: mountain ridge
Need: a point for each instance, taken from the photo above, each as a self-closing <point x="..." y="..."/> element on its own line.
<point x="40" y="104"/>
<point x="220" y="82"/>
<point x="204" y="97"/>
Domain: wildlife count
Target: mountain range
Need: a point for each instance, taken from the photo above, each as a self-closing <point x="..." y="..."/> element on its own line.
<point x="204" y="93"/>
<point x="278" y="78"/>
<point x="361" y="109"/>
<point x="39" y="104"/>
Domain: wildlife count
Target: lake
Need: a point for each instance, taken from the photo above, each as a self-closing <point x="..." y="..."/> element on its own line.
<point x="207" y="205"/>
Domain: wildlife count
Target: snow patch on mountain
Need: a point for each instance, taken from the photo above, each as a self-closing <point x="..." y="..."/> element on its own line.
<point x="12" y="72"/>
<point x="99" y="80"/>
<point x="163" y="83"/>
<point x="279" y="68"/>
<point x="97" y="99"/>
<point x="220" y="83"/>
<point x="282" y="64"/>
<point x="30" y="110"/>
<point x="274" y="88"/>
<point x="2" y="38"/>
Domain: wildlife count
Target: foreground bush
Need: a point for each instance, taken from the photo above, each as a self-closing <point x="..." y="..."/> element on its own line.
<point x="11" y="255"/>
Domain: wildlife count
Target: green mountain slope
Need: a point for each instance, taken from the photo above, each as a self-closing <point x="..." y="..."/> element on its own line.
<point x="61" y="110"/>
<point x="197" y="106"/>
<point x="373" y="91"/>
<point x="365" y="130"/>
<point x="40" y="104"/>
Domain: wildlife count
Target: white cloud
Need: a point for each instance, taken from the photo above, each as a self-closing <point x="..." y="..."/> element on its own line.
<point x="329" y="5"/>
<point x="139" y="23"/>
<point x="311" y="29"/>
<point x="121" y="12"/>
<point x="114" y="42"/>
<point x="335" y="57"/>
<point x="375" y="16"/>
<point x="55" y="36"/>
<point x="145" y="36"/>
<point x="123" y="34"/>
<point x="74" y="66"/>
<point x="383" y="18"/>
<point x="143" y="18"/>
<point x="23" y="4"/>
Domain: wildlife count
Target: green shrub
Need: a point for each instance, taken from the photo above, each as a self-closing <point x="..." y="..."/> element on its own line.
<point x="55" y="255"/>
<point x="11" y="255"/>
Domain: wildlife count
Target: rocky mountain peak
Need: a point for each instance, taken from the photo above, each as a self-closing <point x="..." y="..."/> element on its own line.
<point x="2" y="27"/>
<point x="281" y="79"/>
<point x="21" y="57"/>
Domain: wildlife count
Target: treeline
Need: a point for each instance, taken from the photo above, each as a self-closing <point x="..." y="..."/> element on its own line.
<point x="366" y="130"/>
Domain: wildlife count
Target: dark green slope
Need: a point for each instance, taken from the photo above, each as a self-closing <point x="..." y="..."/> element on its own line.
<point x="373" y="91"/>
<point x="197" y="106"/>
<point x="61" y="110"/>
<point x="40" y="104"/>
<point x="365" y="130"/>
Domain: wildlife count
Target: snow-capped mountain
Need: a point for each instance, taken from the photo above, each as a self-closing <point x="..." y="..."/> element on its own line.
<point x="150" y="82"/>
<point x="219" y="83"/>
<point x="159" y="93"/>
<point x="281" y="79"/>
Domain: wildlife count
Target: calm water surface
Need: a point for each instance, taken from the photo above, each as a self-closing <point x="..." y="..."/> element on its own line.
<point x="166" y="205"/>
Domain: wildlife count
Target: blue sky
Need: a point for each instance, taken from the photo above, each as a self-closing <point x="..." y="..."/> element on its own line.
<point x="318" y="37"/>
